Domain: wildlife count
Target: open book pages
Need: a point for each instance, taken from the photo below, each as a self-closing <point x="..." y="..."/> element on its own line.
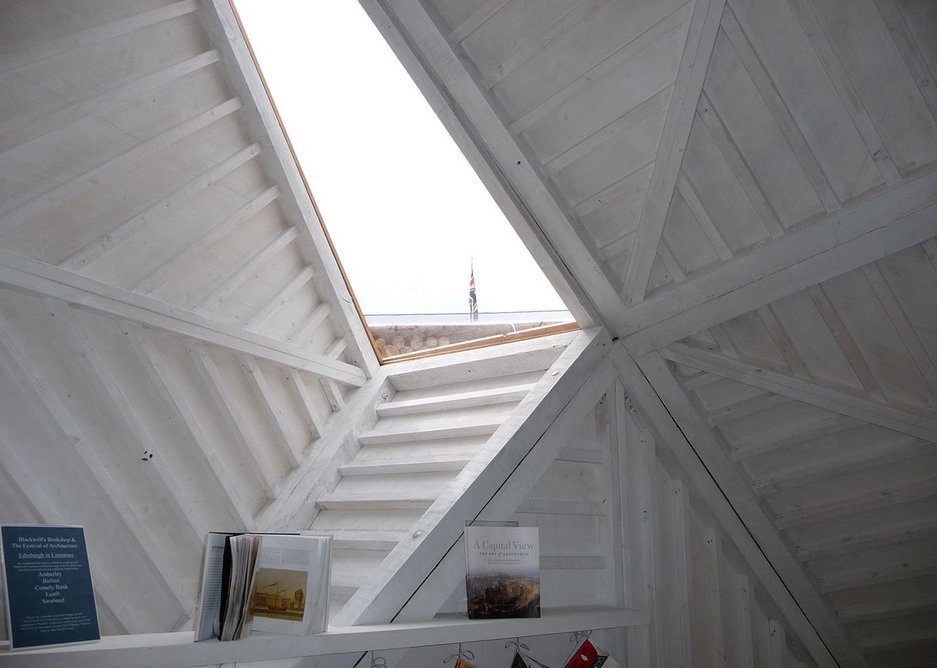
<point x="277" y="583"/>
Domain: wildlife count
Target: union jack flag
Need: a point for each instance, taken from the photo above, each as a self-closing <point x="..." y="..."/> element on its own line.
<point x="473" y="300"/>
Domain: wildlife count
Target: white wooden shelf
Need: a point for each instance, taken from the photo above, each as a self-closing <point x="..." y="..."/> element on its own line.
<point x="177" y="649"/>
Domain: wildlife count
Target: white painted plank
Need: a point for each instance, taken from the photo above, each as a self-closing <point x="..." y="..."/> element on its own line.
<point x="382" y="541"/>
<point x="35" y="277"/>
<point x="775" y="644"/>
<point x="121" y="616"/>
<point x="87" y="255"/>
<point x="405" y="500"/>
<point x="69" y="430"/>
<point x="12" y="219"/>
<point x="306" y="328"/>
<point x="844" y="340"/>
<point x="637" y="59"/>
<point x="528" y="48"/>
<point x="920" y="425"/>
<point x="482" y="13"/>
<point x="704" y="25"/>
<point x="251" y="265"/>
<point x="705" y="598"/>
<point x="743" y="172"/>
<point x="107" y="386"/>
<point x="840" y="464"/>
<point x="779" y="111"/>
<point x="588" y="47"/>
<point x="882" y="80"/>
<point x="850" y="237"/>
<point x="498" y="395"/>
<point x="900" y="28"/>
<point x="637" y="447"/>
<point x="410" y="465"/>
<point x="332" y="391"/>
<point x="744" y="505"/>
<point x="260" y="386"/>
<point x="861" y="502"/>
<point x="171" y="266"/>
<point x="674" y="647"/>
<point x="745" y="408"/>
<point x="18" y="131"/>
<point x="738" y="631"/>
<point x="757" y="136"/>
<point x="233" y="416"/>
<point x="259" y="318"/>
<point x="17" y="54"/>
<point x="178" y="649"/>
<point x="905" y="329"/>
<point x="796" y="69"/>
<point x="186" y="418"/>
<point x="296" y="382"/>
<point x="829" y="426"/>
<point x="712" y="233"/>
<point x="845" y="89"/>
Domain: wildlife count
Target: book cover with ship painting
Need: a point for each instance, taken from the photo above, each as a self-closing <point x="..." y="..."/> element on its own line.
<point x="502" y="578"/>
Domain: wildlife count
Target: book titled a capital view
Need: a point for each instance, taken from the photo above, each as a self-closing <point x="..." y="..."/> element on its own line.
<point x="502" y="575"/>
<point x="48" y="593"/>
<point x="276" y="583"/>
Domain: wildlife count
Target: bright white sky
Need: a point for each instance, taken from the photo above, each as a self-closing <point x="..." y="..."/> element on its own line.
<point x="403" y="207"/>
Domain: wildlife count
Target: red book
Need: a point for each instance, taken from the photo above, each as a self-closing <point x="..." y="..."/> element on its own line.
<point x="584" y="657"/>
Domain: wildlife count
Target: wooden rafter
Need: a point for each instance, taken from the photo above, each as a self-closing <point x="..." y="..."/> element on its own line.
<point x="695" y="446"/>
<point x="15" y="54"/>
<point x="546" y="418"/>
<point x="701" y="38"/>
<point x="921" y="424"/>
<point x="12" y="219"/>
<point x="845" y="239"/>
<point x="32" y="276"/>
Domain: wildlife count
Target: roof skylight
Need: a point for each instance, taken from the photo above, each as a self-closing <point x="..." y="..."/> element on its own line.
<point x="409" y="218"/>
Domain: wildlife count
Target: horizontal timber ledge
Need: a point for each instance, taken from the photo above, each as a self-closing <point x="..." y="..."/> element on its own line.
<point x="177" y="649"/>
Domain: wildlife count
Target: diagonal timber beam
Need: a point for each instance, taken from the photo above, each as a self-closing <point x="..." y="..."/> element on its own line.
<point x="715" y="480"/>
<point x="519" y="451"/>
<point x="921" y="424"/>
<point x="36" y="277"/>
<point x="446" y="575"/>
<point x="701" y="39"/>
<point x="504" y="162"/>
<point x="850" y="237"/>
<point x="279" y="161"/>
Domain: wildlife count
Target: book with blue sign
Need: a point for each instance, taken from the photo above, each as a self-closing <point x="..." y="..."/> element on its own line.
<point x="48" y="593"/>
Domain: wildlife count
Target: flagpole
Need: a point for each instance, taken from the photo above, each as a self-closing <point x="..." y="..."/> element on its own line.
<point x="473" y="299"/>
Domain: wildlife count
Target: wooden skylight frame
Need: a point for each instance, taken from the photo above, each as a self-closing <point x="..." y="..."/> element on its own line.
<point x="483" y="342"/>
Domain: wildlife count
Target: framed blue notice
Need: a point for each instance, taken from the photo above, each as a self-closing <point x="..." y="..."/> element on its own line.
<point x="49" y="595"/>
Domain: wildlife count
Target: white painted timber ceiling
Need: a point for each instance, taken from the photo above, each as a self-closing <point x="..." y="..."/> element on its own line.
<point x="746" y="193"/>
<point x="743" y="192"/>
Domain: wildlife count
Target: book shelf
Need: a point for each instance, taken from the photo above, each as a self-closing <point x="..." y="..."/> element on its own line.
<point x="177" y="649"/>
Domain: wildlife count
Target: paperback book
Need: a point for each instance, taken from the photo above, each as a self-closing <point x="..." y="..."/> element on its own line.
<point x="47" y="587"/>
<point x="275" y="583"/>
<point x="502" y="577"/>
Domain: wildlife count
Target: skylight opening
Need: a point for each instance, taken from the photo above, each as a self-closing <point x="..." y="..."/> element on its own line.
<point x="409" y="219"/>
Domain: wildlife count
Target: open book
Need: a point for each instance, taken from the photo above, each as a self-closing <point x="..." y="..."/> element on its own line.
<point x="278" y="583"/>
